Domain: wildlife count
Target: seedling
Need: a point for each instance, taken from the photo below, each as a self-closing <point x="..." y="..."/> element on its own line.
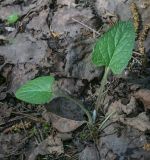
<point x="12" y="19"/>
<point x="113" y="50"/>
<point x="42" y="90"/>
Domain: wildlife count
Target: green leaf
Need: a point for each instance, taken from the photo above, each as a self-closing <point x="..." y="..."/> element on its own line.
<point x="12" y="19"/>
<point x="37" y="91"/>
<point x="114" y="48"/>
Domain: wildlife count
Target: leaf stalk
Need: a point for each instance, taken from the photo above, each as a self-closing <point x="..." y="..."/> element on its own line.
<point x="100" y="97"/>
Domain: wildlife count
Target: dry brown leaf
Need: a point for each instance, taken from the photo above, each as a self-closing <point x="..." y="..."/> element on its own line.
<point x="10" y="143"/>
<point x="144" y="96"/>
<point x="89" y="153"/>
<point x="63" y="125"/>
<point x="62" y="20"/>
<point x="50" y="145"/>
<point x="121" y="109"/>
<point x="141" y="122"/>
<point x="65" y="136"/>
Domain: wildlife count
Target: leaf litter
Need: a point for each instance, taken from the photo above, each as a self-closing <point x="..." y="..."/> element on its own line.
<point x="30" y="49"/>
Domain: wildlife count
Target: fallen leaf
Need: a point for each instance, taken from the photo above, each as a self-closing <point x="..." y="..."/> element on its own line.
<point x="10" y="144"/>
<point x="141" y="122"/>
<point x="65" y="136"/>
<point x="144" y="96"/>
<point x="62" y="20"/>
<point x="89" y="153"/>
<point x="51" y="145"/>
<point x="63" y="125"/>
<point x="120" y="109"/>
<point x="65" y="108"/>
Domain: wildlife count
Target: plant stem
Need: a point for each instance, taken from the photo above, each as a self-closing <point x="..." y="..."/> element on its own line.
<point x="77" y="102"/>
<point x="101" y="89"/>
<point x="105" y="120"/>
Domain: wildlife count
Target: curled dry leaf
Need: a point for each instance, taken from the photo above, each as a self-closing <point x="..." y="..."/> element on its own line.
<point x="50" y="145"/>
<point x="63" y="125"/>
<point x="144" y="96"/>
<point x="121" y="109"/>
<point x="141" y="122"/>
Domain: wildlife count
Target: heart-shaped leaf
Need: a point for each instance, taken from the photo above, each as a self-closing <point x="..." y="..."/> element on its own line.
<point x="37" y="91"/>
<point x="114" y="48"/>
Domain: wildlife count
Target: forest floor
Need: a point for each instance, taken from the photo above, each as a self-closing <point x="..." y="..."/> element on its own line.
<point x="56" y="38"/>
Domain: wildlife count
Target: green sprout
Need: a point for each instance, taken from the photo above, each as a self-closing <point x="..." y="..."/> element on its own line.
<point x="12" y="19"/>
<point x="113" y="50"/>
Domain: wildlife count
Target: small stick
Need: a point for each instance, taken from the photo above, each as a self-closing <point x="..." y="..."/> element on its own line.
<point x="137" y="53"/>
<point x="137" y="60"/>
<point x="86" y="26"/>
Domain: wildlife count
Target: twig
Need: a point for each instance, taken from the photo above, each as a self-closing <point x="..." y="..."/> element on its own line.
<point x="137" y="53"/>
<point x="137" y="60"/>
<point x="86" y="26"/>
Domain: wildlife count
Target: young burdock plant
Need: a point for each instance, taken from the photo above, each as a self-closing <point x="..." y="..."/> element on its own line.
<point x="113" y="51"/>
<point x="42" y="90"/>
